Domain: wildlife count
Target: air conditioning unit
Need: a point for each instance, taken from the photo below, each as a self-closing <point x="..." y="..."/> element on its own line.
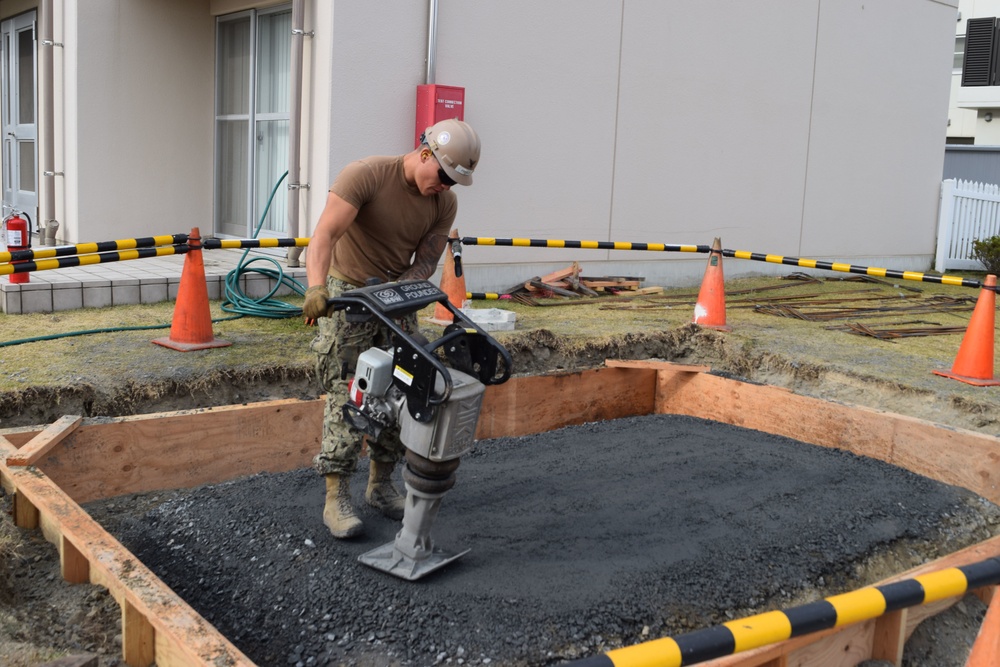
<point x="982" y="41"/>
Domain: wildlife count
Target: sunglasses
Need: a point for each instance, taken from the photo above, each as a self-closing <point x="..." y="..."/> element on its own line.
<point x="445" y="178"/>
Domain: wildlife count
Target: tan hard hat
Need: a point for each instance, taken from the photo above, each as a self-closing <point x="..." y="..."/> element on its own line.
<point x="456" y="146"/>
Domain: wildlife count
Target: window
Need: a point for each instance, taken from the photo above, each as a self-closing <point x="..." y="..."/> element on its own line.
<point x="959" y="53"/>
<point x="253" y="60"/>
<point x="979" y="63"/>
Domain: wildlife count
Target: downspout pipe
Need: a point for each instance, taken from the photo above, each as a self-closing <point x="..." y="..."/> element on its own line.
<point x="295" y="130"/>
<point x="432" y="29"/>
<point x="47" y="215"/>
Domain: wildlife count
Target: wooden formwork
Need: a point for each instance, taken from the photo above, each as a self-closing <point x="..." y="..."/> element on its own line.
<point x="50" y="471"/>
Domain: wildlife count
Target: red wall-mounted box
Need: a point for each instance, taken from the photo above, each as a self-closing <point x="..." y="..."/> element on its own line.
<point x="436" y="102"/>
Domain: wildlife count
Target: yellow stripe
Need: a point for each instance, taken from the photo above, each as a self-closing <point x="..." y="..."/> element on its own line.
<point x="689" y="248"/>
<point x="6" y="269"/>
<point x="556" y="243"/>
<point x="857" y="606"/>
<point x="760" y="630"/>
<point x="840" y="266"/>
<point x="622" y="245"/>
<point x="912" y="275"/>
<point x="163" y="240"/>
<point x="656" y="246"/>
<point x="486" y="240"/>
<point x="588" y="244"/>
<point x="47" y="264"/>
<point x="951" y="280"/>
<point x="521" y="242"/>
<point x="944" y="584"/>
<point x="742" y="254"/>
<point x="874" y="271"/>
<point x="657" y="653"/>
<point x="775" y="259"/>
<point x="808" y="263"/>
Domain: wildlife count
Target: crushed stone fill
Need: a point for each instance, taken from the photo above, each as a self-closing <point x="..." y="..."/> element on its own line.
<point x="582" y="540"/>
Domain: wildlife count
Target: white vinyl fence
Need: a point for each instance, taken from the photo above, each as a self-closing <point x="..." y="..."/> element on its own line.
<point x="969" y="211"/>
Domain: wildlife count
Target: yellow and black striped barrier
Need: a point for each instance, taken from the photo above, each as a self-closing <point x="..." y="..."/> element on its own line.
<point x="586" y="245"/>
<point x="854" y="268"/>
<point x="737" y="254"/>
<point x="87" y="254"/>
<point x="777" y="626"/>
<point x="87" y="248"/>
<point x="90" y="259"/>
<point x="215" y="244"/>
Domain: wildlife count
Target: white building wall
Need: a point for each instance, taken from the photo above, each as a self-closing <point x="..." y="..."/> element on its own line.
<point x="810" y="128"/>
<point x="143" y="115"/>
<point x="669" y="122"/>
<point x="969" y="106"/>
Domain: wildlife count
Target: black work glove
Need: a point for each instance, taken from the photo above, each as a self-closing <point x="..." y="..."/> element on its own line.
<point x="315" y="305"/>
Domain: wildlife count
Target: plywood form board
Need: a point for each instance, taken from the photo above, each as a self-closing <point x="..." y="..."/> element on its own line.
<point x="157" y="624"/>
<point x="535" y="404"/>
<point x="184" y="449"/>
<point x="950" y="455"/>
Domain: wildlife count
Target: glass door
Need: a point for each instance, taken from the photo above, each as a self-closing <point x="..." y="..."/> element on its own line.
<point x="18" y="116"/>
<point x="253" y="69"/>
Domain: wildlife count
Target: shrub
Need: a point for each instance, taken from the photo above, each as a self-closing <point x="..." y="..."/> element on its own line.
<point x="987" y="251"/>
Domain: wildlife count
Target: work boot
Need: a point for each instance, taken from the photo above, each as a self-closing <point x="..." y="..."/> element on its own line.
<point x="338" y="515"/>
<point x="381" y="492"/>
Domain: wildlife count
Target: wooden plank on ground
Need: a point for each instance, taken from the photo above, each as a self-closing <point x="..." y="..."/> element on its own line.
<point x="535" y="404"/>
<point x="40" y="445"/>
<point x="950" y="455"/>
<point x="986" y="648"/>
<point x="175" y="450"/>
<point x="183" y="638"/>
<point x="807" y="649"/>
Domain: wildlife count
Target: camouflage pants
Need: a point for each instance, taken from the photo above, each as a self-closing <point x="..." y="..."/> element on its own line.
<point x="337" y="343"/>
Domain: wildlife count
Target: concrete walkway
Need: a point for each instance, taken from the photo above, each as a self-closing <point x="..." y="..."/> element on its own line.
<point x="146" y="280"/>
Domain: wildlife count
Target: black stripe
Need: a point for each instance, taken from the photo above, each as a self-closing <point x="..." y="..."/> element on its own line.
<point x="854" y="268"/>
<point x="984" y="573"/>
<point x="706" y="644"/>
<point x="593" y="661"/>
<point x="811" y="617"/>
<point x="893" y="273"/>
<point x="637" y="246"/>
<point x="901" y="594"/>
<point x="824" y="265"/>
<point x="571" y="244"/>
<point x="760" y="257"/>
<point x="794" y="261"/>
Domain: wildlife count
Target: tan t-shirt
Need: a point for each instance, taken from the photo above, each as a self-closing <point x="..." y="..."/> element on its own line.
<point x="393" y="217"/>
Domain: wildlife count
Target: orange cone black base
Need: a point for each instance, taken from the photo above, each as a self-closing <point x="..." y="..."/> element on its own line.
<point x="974" y="361"/>
<point x="191" y="327"/>
<point x="710" y="310"/>
<point x="452" y="285"/>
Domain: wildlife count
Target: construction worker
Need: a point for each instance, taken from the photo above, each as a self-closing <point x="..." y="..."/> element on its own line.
<point x="386" y="218"/>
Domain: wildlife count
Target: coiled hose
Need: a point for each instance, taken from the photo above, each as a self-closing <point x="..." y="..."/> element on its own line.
<point x="236" y="301"/>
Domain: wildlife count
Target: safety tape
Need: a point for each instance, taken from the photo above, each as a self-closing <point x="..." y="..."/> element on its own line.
<point x="776" y="626"/>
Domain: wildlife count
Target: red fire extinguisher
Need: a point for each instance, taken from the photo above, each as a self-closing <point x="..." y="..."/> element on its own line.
<point x="17" y="236"/>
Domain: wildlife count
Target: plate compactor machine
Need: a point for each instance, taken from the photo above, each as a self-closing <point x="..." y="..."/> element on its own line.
<point x="435" y="406"/>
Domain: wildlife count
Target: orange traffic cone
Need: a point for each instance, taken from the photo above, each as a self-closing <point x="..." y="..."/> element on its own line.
<point x="710" y="310"/>
<point x="453" y="286"/>
<point x="974" y="362"/>
<point x="191" y="328"/>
